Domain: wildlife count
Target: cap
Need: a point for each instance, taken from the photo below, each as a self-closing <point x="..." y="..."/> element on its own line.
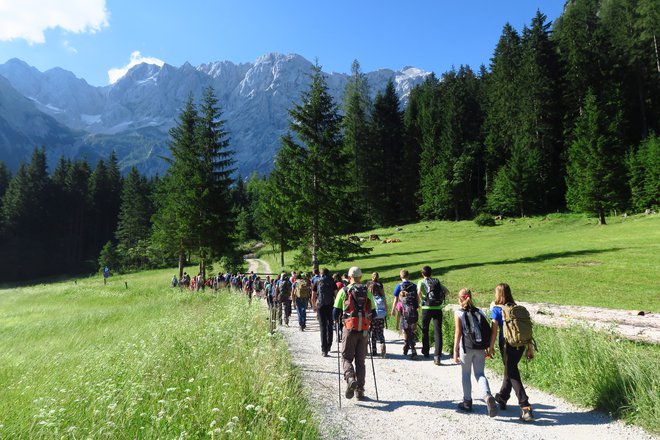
<point x="354" y="272"/>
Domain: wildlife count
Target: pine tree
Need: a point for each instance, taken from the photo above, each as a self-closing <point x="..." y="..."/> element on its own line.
<point x="593" y="177"/>
<point x="644" y="174"/>
<point x="134" y="225"/>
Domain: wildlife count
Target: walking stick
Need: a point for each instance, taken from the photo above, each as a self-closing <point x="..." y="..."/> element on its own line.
<point x="338" y="366"/>
<point x="373" y="369"/>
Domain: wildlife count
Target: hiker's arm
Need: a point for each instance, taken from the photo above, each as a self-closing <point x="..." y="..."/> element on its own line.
<point x="457" y="338"/>
<point x="396" y="300"/>
<point x="494" y="328"/>
<point x="419" y="295"/>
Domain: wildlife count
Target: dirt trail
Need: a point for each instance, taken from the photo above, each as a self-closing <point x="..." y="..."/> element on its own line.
<point x="418" y="399"/>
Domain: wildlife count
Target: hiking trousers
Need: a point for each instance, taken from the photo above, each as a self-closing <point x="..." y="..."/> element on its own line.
<point x="473" y="360"/>
<point x="354" y="348"/>
<point x="511" y="357"/>
<point x="301" y="309"/>
<point x="286" y="305"/>
<point x="436" y="316"/>
<point x="377" y="332"/>
<point x="325" y="322"/>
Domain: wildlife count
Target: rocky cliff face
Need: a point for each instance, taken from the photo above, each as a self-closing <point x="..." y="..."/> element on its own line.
<point x="133" y="115"/>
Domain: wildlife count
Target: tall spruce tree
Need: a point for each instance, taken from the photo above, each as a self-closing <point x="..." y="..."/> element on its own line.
<point x="644" y="174"/>
<point x="594" y="171"/>
<point x="134" y="225"/>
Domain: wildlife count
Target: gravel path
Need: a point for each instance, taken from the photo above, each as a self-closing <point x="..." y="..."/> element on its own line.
<point x="417" y="399"/>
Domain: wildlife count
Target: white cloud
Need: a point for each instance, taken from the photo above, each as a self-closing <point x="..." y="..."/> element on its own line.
<point x="28" y="19"/>
<point x="67" y="46"/>
<point x="136" y="58"/>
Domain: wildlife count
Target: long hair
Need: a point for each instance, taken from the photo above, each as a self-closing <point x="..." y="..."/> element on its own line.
<point x="465" y="299"/>
<point x="503" y="294"/>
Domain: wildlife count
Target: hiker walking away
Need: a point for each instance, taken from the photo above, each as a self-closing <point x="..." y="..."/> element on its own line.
<point x="378" y="323"/>
<point x="511" y="355"/>
<point x="175" y="282"/>
<point x="300" y="293"/>
<point x="322" y="299"/>
<point x="258" y="287"/>
<point x="339" y="284"/>
<point x="284" y="299"/>
<point x="431" y="293"/>
<point x="268" y="287"/>
<point x="406" y="294"/>
<point x="357" y="306"/>
<point x="471" y="346"/>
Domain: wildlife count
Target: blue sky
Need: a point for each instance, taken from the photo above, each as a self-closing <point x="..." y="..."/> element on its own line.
<point x="91" y="37"/>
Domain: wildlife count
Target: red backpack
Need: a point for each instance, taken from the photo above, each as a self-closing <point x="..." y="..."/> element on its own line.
<point x="357" y="308"/>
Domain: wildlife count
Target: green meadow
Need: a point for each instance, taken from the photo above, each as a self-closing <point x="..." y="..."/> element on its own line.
<point x="84" y="360"/>
<point x="561" y="258"/>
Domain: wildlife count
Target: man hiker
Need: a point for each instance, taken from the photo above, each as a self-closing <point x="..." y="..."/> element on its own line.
<point x="431" y="294"/>
<point x="357" y="305"/>
<point x="406" y="293"/>
<point x="284" y="299"/>
<point x="322" y="299"/>
<point x="300" y="293"/>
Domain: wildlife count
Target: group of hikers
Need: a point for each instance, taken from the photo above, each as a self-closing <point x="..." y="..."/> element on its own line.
<point x="356" y="312"/>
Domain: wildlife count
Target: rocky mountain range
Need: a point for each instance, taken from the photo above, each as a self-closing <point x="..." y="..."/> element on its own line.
<point x="70" y="117"/>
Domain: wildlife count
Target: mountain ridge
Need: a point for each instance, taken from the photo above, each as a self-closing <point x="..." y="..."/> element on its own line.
<point x="133" y="116"/>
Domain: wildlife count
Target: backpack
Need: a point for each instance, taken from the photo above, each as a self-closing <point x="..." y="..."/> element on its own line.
<point x="517" y="325"/>
<point x="303" y="290"/>
<point x="476" y="330"/>
<point x="357" y="308"/>
<point x="284" y="290"/>
<point x="410" y="302"/>
<point x="376" y="290"/>
<point x="325" y="289"/>
<point x="435" y="293"/>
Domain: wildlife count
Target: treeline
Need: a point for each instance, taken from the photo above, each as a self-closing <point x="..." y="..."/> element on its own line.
<point x="79" y="219"/>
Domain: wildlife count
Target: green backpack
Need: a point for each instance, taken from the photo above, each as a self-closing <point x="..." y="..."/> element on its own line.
<point x="517" y="326"/>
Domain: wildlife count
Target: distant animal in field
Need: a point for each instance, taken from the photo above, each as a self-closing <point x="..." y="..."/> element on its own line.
<point x="354" y="238"/>
<point x="374" y="237"/>
<point x="391" y="240"/>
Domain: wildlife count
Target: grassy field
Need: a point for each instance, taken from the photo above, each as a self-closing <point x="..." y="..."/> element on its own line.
<point x="561" y="258"/>
<point x="83" y="360"/>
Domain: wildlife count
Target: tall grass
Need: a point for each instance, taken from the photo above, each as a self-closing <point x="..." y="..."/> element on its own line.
<point x="88" y="361"/>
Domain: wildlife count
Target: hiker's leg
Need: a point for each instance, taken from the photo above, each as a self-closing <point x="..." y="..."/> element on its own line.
<point x="323" y="324"/>
<point x="299" y="311"/>
<point x="513" y="358"/>
<point x="287" y="311"/>
<point x="466" y="366"/>
<point x="426" y="320"/>
<point x="360" y="356"/>
<point x="380" y="330"/>
<point x="303" y="311"/>
<point x="373" y="335"/>
<point x="479" y="365"/>
<point x="348" y="345"/>
<point x="437" y="329"/>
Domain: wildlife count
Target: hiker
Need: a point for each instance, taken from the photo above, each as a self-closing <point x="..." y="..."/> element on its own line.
<point x="406" y="293"/>
<point x="258" y="287"/>
<point x="300" y="293"/>
<point x="378" y="323"/>
<point x="268" y="287"/>
<point x="510" y="356"/>
<point x="175" y="282"/>
<point x="284" y="299"/>
<point x="471" y="346"/>
<point x="431" y="293"/>
<point x="356" y="303"/>
<point x="339" y="284"/>
<point x="323" y="296"/>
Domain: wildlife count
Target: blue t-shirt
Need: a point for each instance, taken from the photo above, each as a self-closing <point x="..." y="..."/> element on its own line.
<point x="496" y="315"/>
<point x="397" y="289"/>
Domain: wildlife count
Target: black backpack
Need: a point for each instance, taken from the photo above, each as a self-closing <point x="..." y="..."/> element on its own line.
<point x="476" y="330"/>
<point x="410" y="302"/>
<point x="325" y="290"/>
<point x="435" y="293"/>
<point x="284" y="289"/>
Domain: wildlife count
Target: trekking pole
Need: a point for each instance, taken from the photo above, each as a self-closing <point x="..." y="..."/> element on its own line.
<point x="338" y="366"/>
<point x="373" y="369"/>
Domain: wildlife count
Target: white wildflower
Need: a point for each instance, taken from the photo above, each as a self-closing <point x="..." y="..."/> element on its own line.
<point x="215" y="410"/>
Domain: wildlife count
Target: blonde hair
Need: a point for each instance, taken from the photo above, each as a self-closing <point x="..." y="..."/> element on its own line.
<point x="503" y="294"/>
<point x="374" y="276"/>
<point x="404" y="273"/>
<point x="465" y="299"/>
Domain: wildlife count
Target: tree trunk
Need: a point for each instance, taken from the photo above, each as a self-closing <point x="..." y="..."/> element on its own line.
<point x="282" y="251"/>
<point x="601" y="216"/>
<point x="657" y="59"/>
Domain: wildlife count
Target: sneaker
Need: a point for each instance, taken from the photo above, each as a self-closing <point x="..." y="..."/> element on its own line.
<point x="359" y="394"/>
<point x="500" y="401"/>
<point x="325" y="354"/>
<point x="436" y="360"/>
<point x="350" y="389"/>
<point x="426" y="354"/>
<point x="465" y="406"/>
<point x="527" y="415"/>
<point x="382" y="350"/>
<point x="492" y="406"/>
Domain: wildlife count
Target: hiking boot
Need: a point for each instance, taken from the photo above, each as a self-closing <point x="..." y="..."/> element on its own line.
<point x="500" y="401"/>
<point x="350" y="389"/>
<point x="413" y="355"/>
<point x="465" y="406"/>
<point x="436" y="360"/>
<point x="325" y="354"/>
<point x="527" y="415"/>
<point x="382" y="350"/>
<point x="359" y="394"/>
<point x="405" y="350"/>
<point x="426" y="354"/>
<point x="492" y="406"/>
